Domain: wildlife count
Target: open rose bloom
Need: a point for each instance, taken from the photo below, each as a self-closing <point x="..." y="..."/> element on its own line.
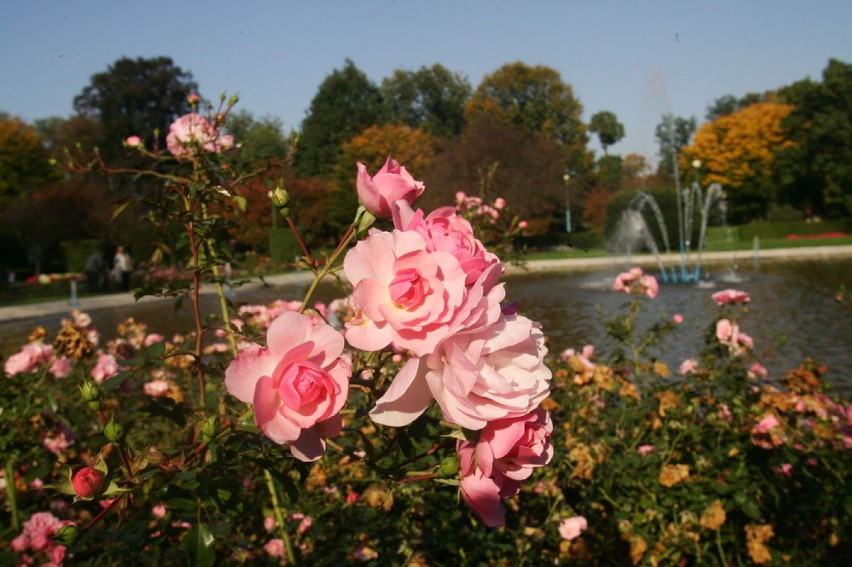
<point x="298" y="383"/>
<point x="192" y="133"/>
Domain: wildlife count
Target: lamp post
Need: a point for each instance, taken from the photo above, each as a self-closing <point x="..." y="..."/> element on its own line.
<point x="566" y="178"/>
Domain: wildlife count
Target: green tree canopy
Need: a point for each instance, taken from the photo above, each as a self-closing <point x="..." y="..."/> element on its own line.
<point x="817" y="170"/>
<point x="346" y="103"/>
<point x="259" y="140"/>
<point x="135" y="97"/>
<point x="609" y="130"/>
<point x="536" y="99"/>
<point x="673" y="133"/>
<point x="431" y="98"/>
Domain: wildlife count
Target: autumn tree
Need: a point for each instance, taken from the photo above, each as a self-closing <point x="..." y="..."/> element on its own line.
<point x="346" y="103"/>
<point x="24" y="160"/>
<point x="816" y="169"/>
<point x="431" y="98"/>
<point x="535" y="99"/>
<point x="135" y="97"/>
<point x="736" y="150"/>
<point x="607" y="127"/>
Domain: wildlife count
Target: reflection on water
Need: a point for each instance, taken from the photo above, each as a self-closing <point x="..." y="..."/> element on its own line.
<point x="793" y="313"/>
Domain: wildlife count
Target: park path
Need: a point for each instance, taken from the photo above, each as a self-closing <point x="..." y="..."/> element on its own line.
<point x="36" y="310"/>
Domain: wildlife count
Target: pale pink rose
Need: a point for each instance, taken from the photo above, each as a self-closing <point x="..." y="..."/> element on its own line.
<point x="159" y="510"/>
<point x="275" y="547"/>
<point x="506" y="453"/>
<point x="571" y="528"/>
<point x="157" y="388"/>
<point x="408" y="297"/>
<point x="766" y="424"/>
<point x="460" y="196"/>
<point x="730" y="335"/>
<point x="298" y="383"/>
<point x="444" y="230"/>
<point x="677" y="318"/>
<point x="391" y="183"/>
<point x="269" y="523"/>
<point x="624" y="281"/>
<point x="133" y="141"/>
<point x="784" y="470"/>
<point x="499" y="203"/>
<point x="28" y="358"/>
<point x="644" y="450"/>
<point x="757" y="370"/>
<point x="488" y="373"/>
<point x="37" y="533"/>
<point x="191" y="133"/>
<point x="151" y="339"/>
<point x="87" y="482"/>
<point x="729" y="296"/>
<point x="649" y="286"/>
<point x="688" y="366"/>
<point x="106" y="367"/>
<point x="58" y="441"/>
<point x="60" y="367"/>
<point x="523" y="224"/>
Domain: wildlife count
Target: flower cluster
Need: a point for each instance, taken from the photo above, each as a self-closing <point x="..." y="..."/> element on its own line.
<point x="36" y="540"/>
<point x="634" y="281"/>
<point x="192" y="134"/>
<point x="429" y="290"/>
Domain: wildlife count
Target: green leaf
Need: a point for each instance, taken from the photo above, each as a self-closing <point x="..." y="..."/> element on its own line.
<point x="198" y="542"/>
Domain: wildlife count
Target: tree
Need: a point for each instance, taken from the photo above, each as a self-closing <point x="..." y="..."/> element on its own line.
<point x="816" y="171"/>
<point x="346" y="103"/>
<point x="24" y="160"/>
<point x="493" y="158"/>
<point x="534" y="99"/>
<point x="609" y="130"/>
<point x="259" y="140"/>
<point x="135" y="97"/>
<point x="737" y="151"/>
<point x="673" y="133"/>
<point x="431" y="99"/>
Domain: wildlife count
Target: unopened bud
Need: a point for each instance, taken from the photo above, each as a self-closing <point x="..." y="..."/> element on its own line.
<point x="114" y="431"/>
<point x="91" y="394"/>
<point x="67" y="535"/>
<point x="209" y="429"/>
<point x="280" y="197"/>
<point x="449" y="467"/>
<point x="233" y="100"/>
<point x="364" y="219"/>
<point x="87" y="482"/>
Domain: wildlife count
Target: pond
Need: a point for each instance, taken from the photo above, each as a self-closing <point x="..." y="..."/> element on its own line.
<point x="793" y="313"/>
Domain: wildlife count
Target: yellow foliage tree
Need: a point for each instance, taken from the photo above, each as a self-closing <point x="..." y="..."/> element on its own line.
<point x="737" y="149"/>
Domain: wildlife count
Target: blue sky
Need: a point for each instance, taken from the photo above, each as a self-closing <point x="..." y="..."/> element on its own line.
<point x="638" y="59"/>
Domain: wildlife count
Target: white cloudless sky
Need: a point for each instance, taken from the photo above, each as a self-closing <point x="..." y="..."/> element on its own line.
<point x="638" y="59"/>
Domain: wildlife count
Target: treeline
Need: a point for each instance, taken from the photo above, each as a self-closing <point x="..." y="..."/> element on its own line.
<point x="519" y="135"/>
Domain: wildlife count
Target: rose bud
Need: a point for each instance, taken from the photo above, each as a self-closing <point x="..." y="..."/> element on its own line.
<point x="87" y="482"/>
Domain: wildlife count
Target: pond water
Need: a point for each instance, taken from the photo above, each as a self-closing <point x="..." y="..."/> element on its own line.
<point x="793" y="313"/>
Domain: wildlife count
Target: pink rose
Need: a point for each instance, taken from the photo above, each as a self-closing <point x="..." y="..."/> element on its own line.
<point x="391" y="183"/>
<point x="677" y="318"/>
<point x="106" y="367"/>
<point x="37" y="533"/>
<point x="275" y="547"/>
<point x="159" y="510"/>
<point x="157" y="388"/>
<point x="192" y="133"/>
<point x="507" y="452"/>
<point x="635" y="281"/>
<point x="409" y="297"/>
<point x="644" y="450"/>
<point x="624" y="280"/>
<point x="729" y="296"/>
<point x="571" y="528"/>
<point x="133" y="141"/>
<point x="757" y="370"/>
<point x="444" y="230"/>
<point x="60" y="367"/>
<point x="298" y="383"/>
<point x="477" y="376"/>
<point x="27" y="360"/>
<point x="729" y="334"/>
<point x="87" y="482"/>
<point x="688" y="366"/>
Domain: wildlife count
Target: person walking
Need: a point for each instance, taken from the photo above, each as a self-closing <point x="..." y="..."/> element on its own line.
<point x="122" y="265"/>
<point x="94" y="269"/>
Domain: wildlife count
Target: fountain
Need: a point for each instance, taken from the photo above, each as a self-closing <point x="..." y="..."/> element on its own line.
<point x="633" y="230"/>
